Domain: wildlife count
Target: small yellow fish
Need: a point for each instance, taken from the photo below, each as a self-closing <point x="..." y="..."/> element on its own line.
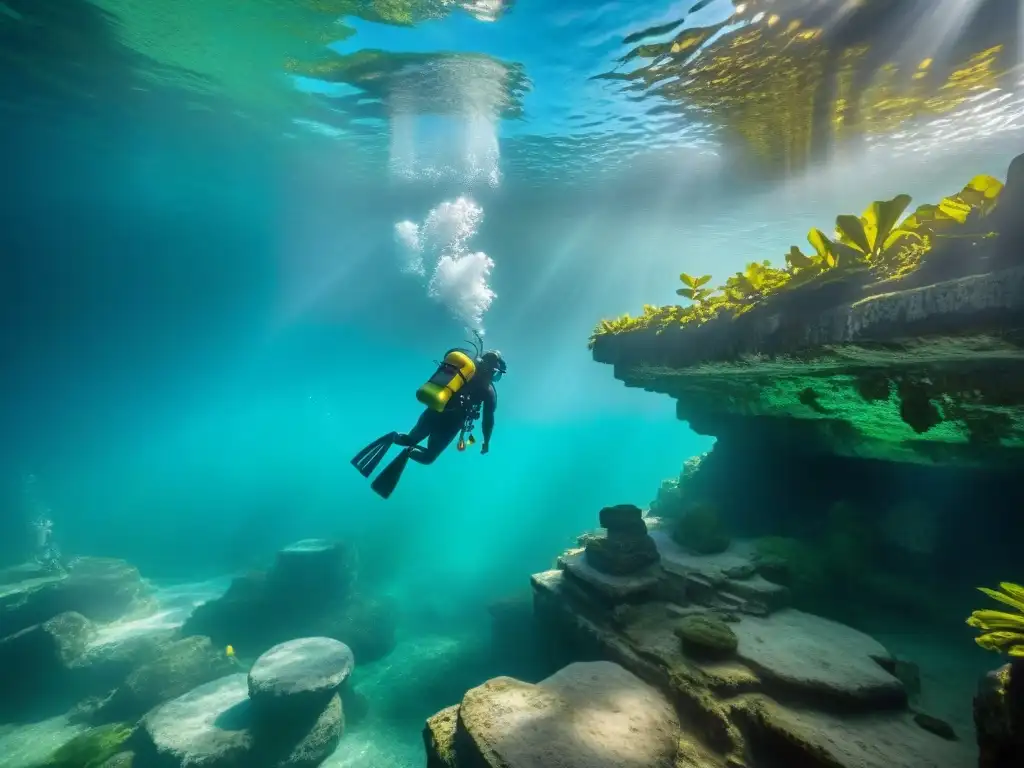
<point x="230" y="651"/>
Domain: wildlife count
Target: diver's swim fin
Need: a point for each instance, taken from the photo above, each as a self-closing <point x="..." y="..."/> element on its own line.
<point x="366" y="460"/>
<point x="384" y="484"/>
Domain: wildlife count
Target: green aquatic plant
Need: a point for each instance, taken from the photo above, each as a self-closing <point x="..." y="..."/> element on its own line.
<point x="877" y="242"/>
<point x="90" y="749"/>
<point x="1001" y="631"/>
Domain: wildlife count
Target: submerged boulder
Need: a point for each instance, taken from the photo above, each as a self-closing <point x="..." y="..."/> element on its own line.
<point x="706" y="636"/>
<point x="587" y="715"/>
<point x="36" y="664"/>
<point x="627" y="548"/>
<point x="101" y="589"/>
<point x="999" y="717"/>
<point x="215" y="726"/>
<point x="307" y="592"/>
<point x="299" y="675"/>
<point x="207" y="726"/>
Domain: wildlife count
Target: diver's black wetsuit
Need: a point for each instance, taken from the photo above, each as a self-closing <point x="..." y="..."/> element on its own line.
<point x="440" y="428"/>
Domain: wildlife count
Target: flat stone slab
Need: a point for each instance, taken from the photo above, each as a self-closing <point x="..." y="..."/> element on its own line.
<point x="208" y="726"/>
<point x="890" y="740"/>
<point x="309" y="669"/>
<point x="586" y="715"/>
<point x="677" y="560"/>
<point x="819" y="658"/>
<point x="616" y="588"/>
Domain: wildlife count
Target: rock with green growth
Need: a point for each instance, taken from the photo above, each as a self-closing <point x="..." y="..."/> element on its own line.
<point x="91" y="749"/>
<point x="706" y="636"/>
<point x="701" y="530"/>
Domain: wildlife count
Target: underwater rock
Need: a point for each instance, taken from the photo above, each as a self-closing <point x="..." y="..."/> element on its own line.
<point x="101" y="589"/>
<point x="840" y="713"/>
<point x="439" y="738"/>
<point x="106" y="663"/>
<point x="668" y="501"/>
<point x="724" y="580"/>
<point x="814" y="658"/>
<point x="625" y="520"/>
<point x="180" y="666"/>
<point x="587" y="715"/>
<point x="214" y="726"/>
<point x="610" y="588"/>
<point x="35" y="663"/>
<point x="208" y="726"/>
<point x="999" y="717"/>
<point x="1008" y="217"/>
<point x="300" y="674"/>
<point x="706" y="636"/>
<point x="859" y="375"/>
<point x="780" y="735"/>
<point x="308" y="592"/>
<point x="324" y="567"/>
<point x="627" y="549"/>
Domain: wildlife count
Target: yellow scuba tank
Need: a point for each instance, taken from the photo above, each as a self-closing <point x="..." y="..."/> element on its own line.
<point x="455" y="370"/>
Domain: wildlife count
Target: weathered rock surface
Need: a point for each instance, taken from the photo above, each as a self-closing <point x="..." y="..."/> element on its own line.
<point x="587" y="715"/>
<point x="214" y="726"/>
<point x="615" y="588"/>
<point x="207" y="726"/>
<point x="626" y="549"/>
<point x="799" y="690"/>
<point x="815" y="657"/>
<point x="300" y="674"/>
<point x="100" y="589"/>
<point x="181" y="666"/>
<point x="726" y="580"/>
<point x="999" y="717"/>
<point x="36" y="663"/>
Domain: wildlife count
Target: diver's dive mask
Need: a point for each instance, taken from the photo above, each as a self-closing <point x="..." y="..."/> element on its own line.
<point x="493" y="360"/>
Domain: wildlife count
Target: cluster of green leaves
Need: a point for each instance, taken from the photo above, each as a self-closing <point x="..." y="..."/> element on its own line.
<point x="880" y="241"/>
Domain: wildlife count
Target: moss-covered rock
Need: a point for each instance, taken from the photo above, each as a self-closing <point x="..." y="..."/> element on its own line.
<point x="706" y="636"/>
<point x="91" y="749"/>
<point x="701" y="530"/>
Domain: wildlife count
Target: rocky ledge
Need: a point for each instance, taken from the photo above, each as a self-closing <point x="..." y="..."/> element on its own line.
<point x="926" y="370"/>
<point x="703" y="664"/>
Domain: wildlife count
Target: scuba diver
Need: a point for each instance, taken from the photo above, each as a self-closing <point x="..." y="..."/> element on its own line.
<point x="460" y="392"/>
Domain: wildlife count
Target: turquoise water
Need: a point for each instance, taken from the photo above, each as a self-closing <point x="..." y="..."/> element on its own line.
<point x="235" y="240"/>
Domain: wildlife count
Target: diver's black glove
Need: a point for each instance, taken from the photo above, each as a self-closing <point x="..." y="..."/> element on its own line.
<point x="486" y="447"/>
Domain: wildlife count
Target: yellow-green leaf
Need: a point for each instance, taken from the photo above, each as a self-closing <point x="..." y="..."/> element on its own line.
<point x="1004" y="598"/>
<point x="997" y="620"/>
<point x="703" y="280"/>
<point x="851" y="232"/>
<point x="689" y="280"/>
<point x="955" y="209"/>
<point x="822" y="246"/>
<point x="989" y="186"/>
<point x="1014" y="590"/>
<point x="882" y="216"/>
